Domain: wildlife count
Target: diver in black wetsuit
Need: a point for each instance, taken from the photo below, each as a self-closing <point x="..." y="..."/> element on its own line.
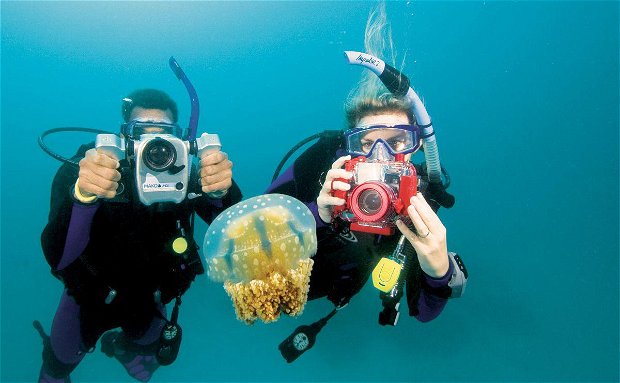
<point x="345" y="259"/>
<point x="358" y="211"/>
<point x="122" y="262"/>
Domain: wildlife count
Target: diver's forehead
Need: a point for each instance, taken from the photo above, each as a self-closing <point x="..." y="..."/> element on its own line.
<point x="388" y="119"/>
<point x="153" y="115"/>
<point x="152" y="129"/>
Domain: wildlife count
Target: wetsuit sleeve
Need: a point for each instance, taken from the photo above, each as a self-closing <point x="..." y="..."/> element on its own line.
<point x="68" y="229"/>
<point x="303" y="179"/>
<point x="208" y="208"/>
<point x="431" y="297"/>
<point x="287" y="184"/>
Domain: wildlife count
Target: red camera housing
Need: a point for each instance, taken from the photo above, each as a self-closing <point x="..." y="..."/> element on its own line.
<point x="380" y="193"/>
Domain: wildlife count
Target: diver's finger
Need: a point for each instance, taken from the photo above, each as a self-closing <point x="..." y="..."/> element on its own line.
<point x="336" y="173"/>
<point x="426" y="213"/>
<point x="102" y="158"/>
<point x="220" y="167"/>
<point x="222" y="185"/>
<point x="106" y="174"/>
<point x="117" y="176"/>
<point x="92" y="183"/>
<point x="407" y="232"/>
<point x="95" y="172"/>
<point x="212" y="157"/>
<point x="101" y="165"/>
<point x="339" y="185"/>
<point x="340" y="161"/>
<point x="86" y="187"/>
<point x="215" y="178"/>
<point x="325" y="200"/>
<point x="422" y="230"/>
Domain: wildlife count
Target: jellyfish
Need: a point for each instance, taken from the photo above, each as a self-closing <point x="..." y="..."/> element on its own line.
<point x="261" y="250"/>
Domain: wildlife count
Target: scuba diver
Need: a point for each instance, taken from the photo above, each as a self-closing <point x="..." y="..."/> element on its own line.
<point x="120" y="235"/>
<point x="375" y="211"/>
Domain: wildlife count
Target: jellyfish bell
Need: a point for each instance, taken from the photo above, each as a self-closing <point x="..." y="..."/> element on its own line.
<point x="261" y="250"/>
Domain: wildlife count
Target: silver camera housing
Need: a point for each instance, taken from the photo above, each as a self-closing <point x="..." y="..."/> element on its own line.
<point x="165" y="182"/>
<point x="162" y="162"/>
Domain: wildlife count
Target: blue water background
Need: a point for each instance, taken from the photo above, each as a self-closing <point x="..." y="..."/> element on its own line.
<point x="524" y="97"/>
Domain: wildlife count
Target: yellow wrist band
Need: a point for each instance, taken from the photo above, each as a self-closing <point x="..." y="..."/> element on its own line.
<point x="80" y="197"/>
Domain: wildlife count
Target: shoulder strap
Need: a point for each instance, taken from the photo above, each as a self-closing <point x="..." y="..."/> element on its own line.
<point x="311" y="164"/>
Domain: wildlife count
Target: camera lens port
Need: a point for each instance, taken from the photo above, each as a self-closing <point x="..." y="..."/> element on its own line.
<point x="372" y="201"/>
<point x="159" y="154"/>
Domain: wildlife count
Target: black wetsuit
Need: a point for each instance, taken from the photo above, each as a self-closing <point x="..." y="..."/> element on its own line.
<point x="116" y="264"/>
<point x="345" y="260"/>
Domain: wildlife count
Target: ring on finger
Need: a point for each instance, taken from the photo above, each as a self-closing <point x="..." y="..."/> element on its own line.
<point x="425" y="235"/>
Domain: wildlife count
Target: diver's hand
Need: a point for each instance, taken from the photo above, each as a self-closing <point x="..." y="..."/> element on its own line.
<point x="326" y="201"/>
<point x="430" y="242"/>
<point x="98" y="175"/>
<point x="215" y="173"/>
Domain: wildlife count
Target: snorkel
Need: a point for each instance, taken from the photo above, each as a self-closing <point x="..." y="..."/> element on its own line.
<point x="193" y="96"/>
<point x="398" y="84"/>
<point x="206" y="142"/>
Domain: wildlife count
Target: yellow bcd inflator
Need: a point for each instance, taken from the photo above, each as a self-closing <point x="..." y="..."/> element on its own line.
<point x="386" y="273"/>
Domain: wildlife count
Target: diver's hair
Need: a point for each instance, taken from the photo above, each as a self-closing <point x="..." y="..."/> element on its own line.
<point x="149" y="99"/>
<point x="385" y="103"/>
<point x="370" y="96"/>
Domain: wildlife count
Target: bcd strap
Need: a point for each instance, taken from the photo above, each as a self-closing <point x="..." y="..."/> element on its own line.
<point x="170" y="338"/>
<point x="311" y="163"/>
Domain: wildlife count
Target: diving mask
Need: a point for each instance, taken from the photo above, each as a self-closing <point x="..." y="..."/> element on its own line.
<point x="134" y="129"/>
<point x="382" y="142"/>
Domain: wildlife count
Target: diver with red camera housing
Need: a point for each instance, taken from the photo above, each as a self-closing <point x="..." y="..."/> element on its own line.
<point x="369" y="193"/>
<point x="376" y="212"/>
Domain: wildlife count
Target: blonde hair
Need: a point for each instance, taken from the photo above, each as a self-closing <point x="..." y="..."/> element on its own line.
<point x="370" y="96"/>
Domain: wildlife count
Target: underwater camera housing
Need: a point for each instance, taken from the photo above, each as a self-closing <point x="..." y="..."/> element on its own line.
<point x="160" y="163"/>
<point x="380" y="193"/>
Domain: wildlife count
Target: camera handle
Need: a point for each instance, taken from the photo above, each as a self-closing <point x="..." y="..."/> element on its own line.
<point x="205" y="143"/>
<point x="348" y="166"/>
<point x="116" y="147"/>
<point x="111" y="145"/>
